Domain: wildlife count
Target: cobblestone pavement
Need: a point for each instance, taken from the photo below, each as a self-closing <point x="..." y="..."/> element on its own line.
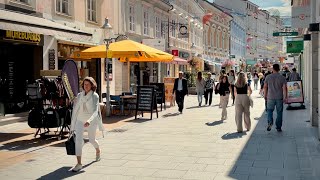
<point x="192" y="145"/>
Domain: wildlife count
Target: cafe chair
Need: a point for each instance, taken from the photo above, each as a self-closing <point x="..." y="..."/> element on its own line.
<point x="126" y="93"/>
<point x="130" y="103"/>
<point x="115" y="103"/>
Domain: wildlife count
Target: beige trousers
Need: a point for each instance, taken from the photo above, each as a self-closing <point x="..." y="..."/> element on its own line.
<point x="224" y="102"/>
<point x="242" y="105"/>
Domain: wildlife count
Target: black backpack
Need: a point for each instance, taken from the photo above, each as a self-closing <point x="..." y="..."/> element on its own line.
<point x="35" y="118"/>
<point x="51" y="118"/>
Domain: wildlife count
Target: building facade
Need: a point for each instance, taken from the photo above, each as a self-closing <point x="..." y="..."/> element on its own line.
<point x="140" y="21"/>
<point x="216" y="35"/>
<point x="40" y="35"/>
<point x="238" y="28"/>
<point x="186" y="15"/>
<point x="259" y="25"/>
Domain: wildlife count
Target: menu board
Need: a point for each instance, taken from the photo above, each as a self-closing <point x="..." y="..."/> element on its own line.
<point x="159" y="87"/>
<point x="169" y="84"/>
<point x="145" y="99"/>
<point x="295" y="92"/>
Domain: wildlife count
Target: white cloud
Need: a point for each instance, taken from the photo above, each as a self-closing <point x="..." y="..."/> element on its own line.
<point x="286" y="2"/>
<point x="284" y="11"/>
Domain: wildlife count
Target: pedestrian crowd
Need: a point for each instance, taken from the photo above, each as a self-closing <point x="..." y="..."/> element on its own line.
<point x="237" y="87"/>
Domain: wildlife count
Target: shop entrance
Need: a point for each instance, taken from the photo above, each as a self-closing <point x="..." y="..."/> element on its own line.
<point x="19" y="64"/>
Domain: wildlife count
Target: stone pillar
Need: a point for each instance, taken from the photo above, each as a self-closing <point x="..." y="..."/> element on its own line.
<point x="314" y="78"/>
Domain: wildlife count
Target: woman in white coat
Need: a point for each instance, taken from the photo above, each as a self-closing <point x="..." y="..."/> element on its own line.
<point x="86" y="116"/>
<point x="200" y="83"/>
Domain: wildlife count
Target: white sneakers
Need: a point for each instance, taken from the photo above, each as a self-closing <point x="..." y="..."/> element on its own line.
<point x="98" y="158"/>
<point x="77" y="168"/>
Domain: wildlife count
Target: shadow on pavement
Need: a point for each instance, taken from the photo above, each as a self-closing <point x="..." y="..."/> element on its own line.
<point x="195" y="107"/>
<point x="214" y="123"/>
<point x="273" y="155"/>
<point x="8" y="136"/>
<point x="171" y="114"/>
<point x="140" y="120"/>
<point x="64" y="172"/>
<point x="234" y="135"/>
<point x="25" y="144"/>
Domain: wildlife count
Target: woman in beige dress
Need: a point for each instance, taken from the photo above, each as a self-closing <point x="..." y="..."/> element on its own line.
<point x="242" y="92"/>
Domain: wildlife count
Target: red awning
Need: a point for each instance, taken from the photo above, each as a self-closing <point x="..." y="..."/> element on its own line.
<point x="180" y="61"/>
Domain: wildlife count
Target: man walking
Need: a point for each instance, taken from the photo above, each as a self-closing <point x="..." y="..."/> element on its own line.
<point x="181" y="89"/>
<point x="275" y="89"/>
<point x="294" y="76"/>
<point x="209" y="85"/>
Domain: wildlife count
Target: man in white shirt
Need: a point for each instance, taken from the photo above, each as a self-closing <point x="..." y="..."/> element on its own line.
<point x="181" y="89"/>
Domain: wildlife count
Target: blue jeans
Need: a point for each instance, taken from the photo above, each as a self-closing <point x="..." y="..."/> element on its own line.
<point x="271" y="104"/>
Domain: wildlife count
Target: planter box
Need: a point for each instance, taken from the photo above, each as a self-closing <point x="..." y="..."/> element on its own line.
<point x="192" y="90"/>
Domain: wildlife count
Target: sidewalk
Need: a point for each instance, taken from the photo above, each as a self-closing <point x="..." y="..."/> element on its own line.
<point x="177" y="146"/>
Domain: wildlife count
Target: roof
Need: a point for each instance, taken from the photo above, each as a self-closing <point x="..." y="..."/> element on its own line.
<point x="217" y="6"/>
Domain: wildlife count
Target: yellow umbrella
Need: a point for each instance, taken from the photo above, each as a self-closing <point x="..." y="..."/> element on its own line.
<point x="148" y="57"/>
<point x="126" y="50"/>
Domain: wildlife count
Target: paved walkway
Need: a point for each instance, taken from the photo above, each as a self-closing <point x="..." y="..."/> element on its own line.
<point x="194" y="145"/>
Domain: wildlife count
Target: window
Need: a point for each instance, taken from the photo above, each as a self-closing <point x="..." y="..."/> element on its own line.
<point x="132" y="26"/>
<point x="157" y="27"/>
<point x="146" y="23"/>
<point x="23" y="1"/>
<point x="173" y="29"/>
<point x="92" y="10"/>
<point x="223" y="47"/>
<point x="62" y="6"/>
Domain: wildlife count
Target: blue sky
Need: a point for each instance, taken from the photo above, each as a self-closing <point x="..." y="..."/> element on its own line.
<point x="282" y="5"/>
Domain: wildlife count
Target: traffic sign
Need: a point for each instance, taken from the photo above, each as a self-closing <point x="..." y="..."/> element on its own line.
<point x="285" y="34"/>
<point x="232" y="56"/>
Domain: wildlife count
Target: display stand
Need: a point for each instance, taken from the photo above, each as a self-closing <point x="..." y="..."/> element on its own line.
<point x="146" y="97"/>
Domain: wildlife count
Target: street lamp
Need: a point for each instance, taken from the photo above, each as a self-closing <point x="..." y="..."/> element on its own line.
<point x="107" y="41"/>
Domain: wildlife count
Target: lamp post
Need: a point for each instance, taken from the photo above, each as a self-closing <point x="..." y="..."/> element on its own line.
<point x="107" y="41"/>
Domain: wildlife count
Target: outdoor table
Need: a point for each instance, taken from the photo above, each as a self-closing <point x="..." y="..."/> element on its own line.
<point x="126" y="97"/>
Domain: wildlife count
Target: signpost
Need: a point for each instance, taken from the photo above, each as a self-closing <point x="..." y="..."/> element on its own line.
<point x="145" y="100"/>
<point x="285" y="34"/>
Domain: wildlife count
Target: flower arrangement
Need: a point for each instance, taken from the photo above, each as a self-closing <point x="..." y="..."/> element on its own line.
<point x="192" y="62"/>
<point x="228" y="63"/>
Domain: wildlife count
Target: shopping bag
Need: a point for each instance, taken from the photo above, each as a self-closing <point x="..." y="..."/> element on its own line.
<point x="70" y="145"/>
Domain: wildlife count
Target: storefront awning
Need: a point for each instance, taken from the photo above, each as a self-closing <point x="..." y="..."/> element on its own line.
<point x="180" y="61"/>
<point x="25" y="23"/>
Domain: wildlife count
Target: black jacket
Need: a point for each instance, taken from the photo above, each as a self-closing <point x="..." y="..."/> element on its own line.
<point x="184" y="86"/>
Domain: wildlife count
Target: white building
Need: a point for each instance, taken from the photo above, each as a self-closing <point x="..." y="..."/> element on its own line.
<point x="186" y="13"/>
<point x="238" y="26"/>
<point x="140" y="20"/>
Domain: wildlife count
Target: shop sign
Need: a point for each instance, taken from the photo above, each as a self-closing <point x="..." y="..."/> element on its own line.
<point x="52" y="59"/>
<point x="21" y="37"/>
<point x="285" y="34"/>
<point x="294" y="46"/>
<point x="175" y="52"/>
<point x="184" y="55"/>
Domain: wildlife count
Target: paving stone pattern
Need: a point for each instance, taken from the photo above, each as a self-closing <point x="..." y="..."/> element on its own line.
<point x="194" y="145"/>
